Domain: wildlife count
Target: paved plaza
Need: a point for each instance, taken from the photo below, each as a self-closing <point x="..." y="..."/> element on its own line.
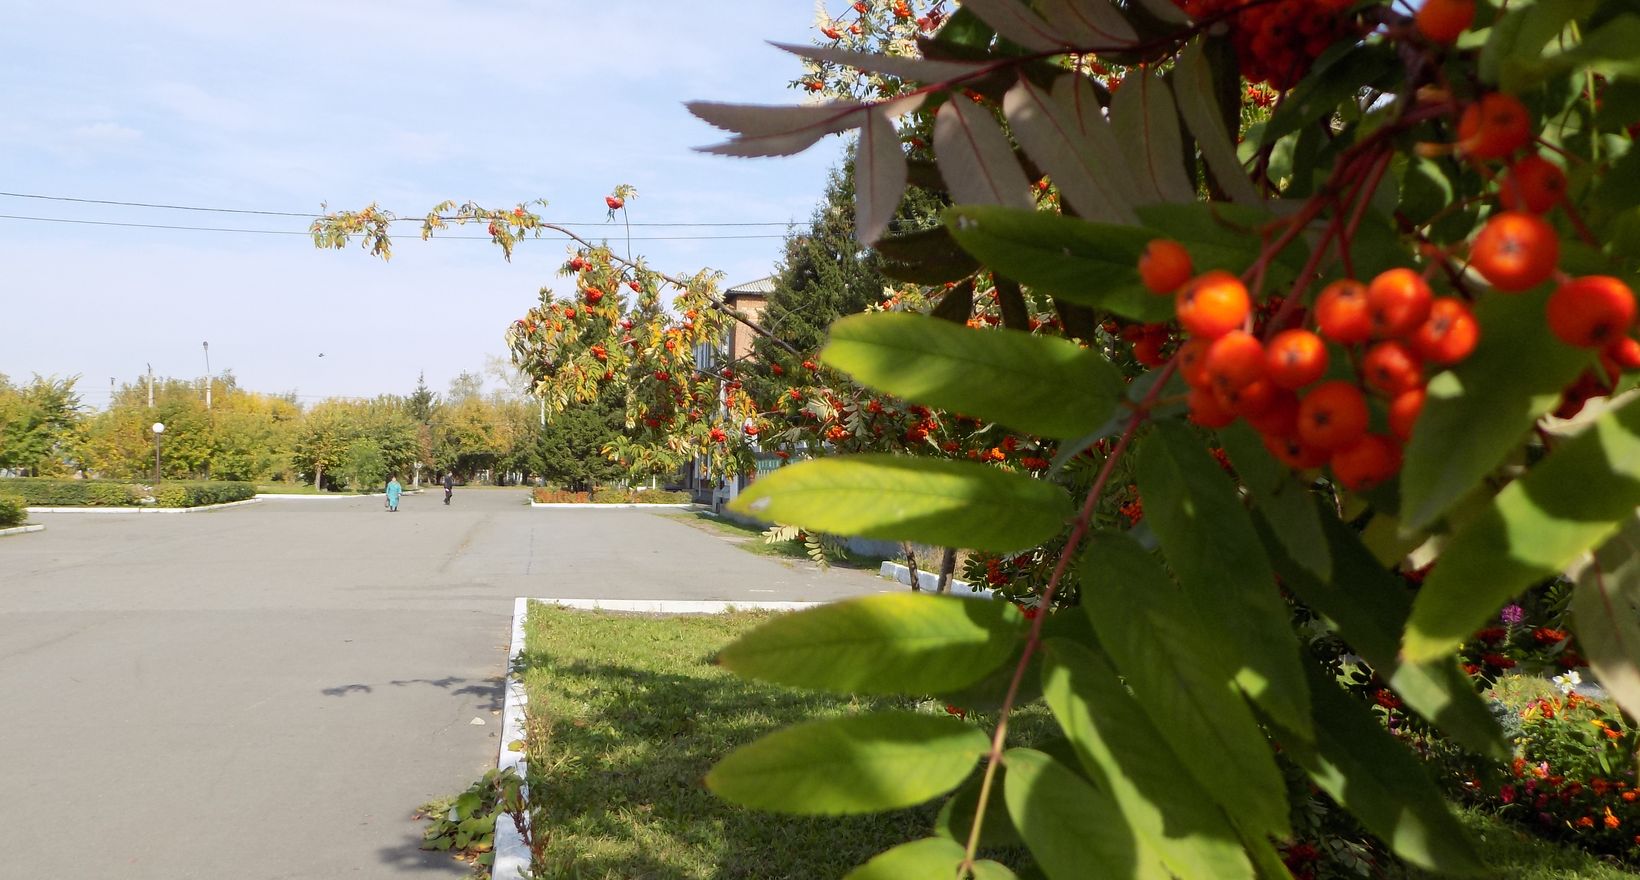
<point x="270" y="691"/>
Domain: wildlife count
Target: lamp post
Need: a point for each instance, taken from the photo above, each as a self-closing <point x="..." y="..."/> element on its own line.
<point x="158" y="430"/>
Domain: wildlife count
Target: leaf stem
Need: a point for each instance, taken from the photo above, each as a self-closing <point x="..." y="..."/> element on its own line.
<point x="1084" y="521"/>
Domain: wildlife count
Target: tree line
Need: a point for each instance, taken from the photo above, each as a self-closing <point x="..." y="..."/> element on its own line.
<point x="47" y="430"/>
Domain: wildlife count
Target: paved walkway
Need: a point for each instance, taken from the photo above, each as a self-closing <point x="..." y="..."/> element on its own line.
<point x="269" y="692"/>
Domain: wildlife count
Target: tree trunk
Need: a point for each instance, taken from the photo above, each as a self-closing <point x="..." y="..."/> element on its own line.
<point x="319" y="478"/>
<point x="948" y="567"/>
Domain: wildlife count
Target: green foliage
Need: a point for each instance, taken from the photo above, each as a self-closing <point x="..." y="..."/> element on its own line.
<point x="364" y="465"/>
<point x="40" y="425"/>
<point x="570" y="451"/>
<point x="13" y="511"/>
<point x="72" y="493"/>
<point x="202" y="494"/>
<point x="465" y="824"/>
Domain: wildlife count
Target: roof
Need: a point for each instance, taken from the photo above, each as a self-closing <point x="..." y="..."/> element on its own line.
<point x="760" y="286"/>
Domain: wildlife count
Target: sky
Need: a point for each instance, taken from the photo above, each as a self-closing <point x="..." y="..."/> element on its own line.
<point x="285" y="106"/>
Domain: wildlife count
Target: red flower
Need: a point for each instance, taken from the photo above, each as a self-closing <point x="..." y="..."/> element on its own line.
<point x="953" y="710"/>
<point x="1387" y="699"/>
<point x="1546" y="636"/>
<point x="1499" y="661"/>
<point x="1492" y="635"/>
<point x="1586" y="822"/>
<point x="1507" y="794"/>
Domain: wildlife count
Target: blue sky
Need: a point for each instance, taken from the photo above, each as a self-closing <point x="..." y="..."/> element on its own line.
<point x="282" y="106"/>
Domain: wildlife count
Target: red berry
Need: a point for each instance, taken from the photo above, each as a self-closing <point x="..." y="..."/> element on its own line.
<point x="1250" y="401"/>
<point x="1404" y="411"/>
<point x="1332" y="416"/>
<point x="614" y="202"/>
<point x="1515" y="251"/>
<point x="1443" y="21"/>
<point x="1164" y="267"/>
<point x="1591" y="312"/>
<point x="1207" y="411"/>
<point x="1278" y="417"/>
<point x="1367" y="462"/>
<point x="1494" y="127"/>
<point x="1449" y="335"/>
<point x="1397" y="302"/>
<point x="1295" y="453"/>
<point x="1295" y="358"/>
<point x="1392" y="368"/>
<point x="1625" y="353"/>
<point x="1534" y="184"/>
<point x="1192" y="358"/>
<point x="1341" y="312"/>
<point x="1212" y="304"/>
<point x="1234" y="360"/>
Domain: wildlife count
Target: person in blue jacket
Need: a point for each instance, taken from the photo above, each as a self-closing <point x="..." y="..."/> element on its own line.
<point x="394" y="490"/>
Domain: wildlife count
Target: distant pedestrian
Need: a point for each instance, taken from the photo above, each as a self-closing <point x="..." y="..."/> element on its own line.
<point x="394" y="490"/>
<point x="449" y="486"/>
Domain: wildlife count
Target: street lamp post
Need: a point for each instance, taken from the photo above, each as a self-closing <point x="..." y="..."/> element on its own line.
<point x="158" y="429"/>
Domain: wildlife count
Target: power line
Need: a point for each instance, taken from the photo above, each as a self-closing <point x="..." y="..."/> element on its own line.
<point x="309" y="215"/>
<point x="309" y="234"/>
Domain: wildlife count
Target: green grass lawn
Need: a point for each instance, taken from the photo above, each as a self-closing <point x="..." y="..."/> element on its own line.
<point x="1511" y="853"/>
<point x="637" y="715"/>
<point x="754" y="544"/>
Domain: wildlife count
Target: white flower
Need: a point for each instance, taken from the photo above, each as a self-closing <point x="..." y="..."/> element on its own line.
<point x="1567" y="682"/>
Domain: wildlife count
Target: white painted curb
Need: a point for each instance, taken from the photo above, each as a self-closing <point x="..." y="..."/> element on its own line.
<point x="21" y="530"/>
<point x="204" y="509"/>
<point x="512" y="858"/>
<point x="930" y="581"/>
<point x="570" y="505"/>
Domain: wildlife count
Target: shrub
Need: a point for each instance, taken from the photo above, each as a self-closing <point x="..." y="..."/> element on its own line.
<point x="559" y="496"/>
<point x="13" y="511"/>
<point x="202" y="494"/>
<point x="71" y="493"/>
<point x="610" y="496"/>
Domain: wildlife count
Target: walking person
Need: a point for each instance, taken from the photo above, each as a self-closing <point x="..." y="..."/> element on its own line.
<point x="449" y="486"/>
<point x="394" y="490"/>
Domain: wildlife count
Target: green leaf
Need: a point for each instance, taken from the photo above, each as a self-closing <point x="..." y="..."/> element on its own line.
<point x="1476" y="413"/>
<point x="1175" y="820"/>
<point x="1369" y="606"/>
<point x="1172" y="660"/>
<point x="933" y="858"/>
<point x="1368" y="772"/>
<point x="1210" y="544"/>
<point x="1036" y="384"/>
<point x="1065" y="132"/>
<point x="1337" y="76"/>
<point x="899" y="498"/>
<point x="927" y="256"/>
<point x="956" y="818"/>
<point x="986" y="869"/>
<point x="1283" y="499"/>
<point x="1607" y="50"/>
<point x="1074" y="830"/>
<point x="1089" y="264"/>
<point x="1222" y="236"/>
<point x="889" y="643"/>
<point x="1606" y="612"/>
<point x="853" y="764"/>
<point x="1537" y="526"/>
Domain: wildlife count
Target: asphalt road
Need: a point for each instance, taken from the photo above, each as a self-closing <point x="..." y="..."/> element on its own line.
<point x="270" y="691"/>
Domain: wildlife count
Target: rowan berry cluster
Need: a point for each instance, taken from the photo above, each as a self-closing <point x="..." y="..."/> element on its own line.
<point x="1277" y="42"/>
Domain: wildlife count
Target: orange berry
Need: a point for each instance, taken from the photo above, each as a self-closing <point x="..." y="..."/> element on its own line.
<point x="1207" y="411"/>
<point x="1449" y="335"/>
<point x="1404" y="411"/>
<point x="1494" y="127"/>
<point x="1332" y="416"/>
<point x="1341" y="312"/>
<point x="1250" y="401"/>
<point x="1192" y="358"/>
<point x="1515" y="251"/>
<point x="1295" y="358"/>
<point x="1533" y="184"/>
<point x="1164" y="267"/>
<point x="1392" y="368"/>
<point x="1443" y="21"/>
<point x="1234" y="360"/>
<point x="1397" y="302"/>
<point x="1591" y="312"/>
<point x="1367" y="462"/>
<point x="1295" y="453"/>
<point x="1212" y="304"/>
<point x="1625" y="353"/>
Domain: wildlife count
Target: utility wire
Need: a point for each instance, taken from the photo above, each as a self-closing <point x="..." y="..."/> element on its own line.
<point x="436" y="235"/>
<point x="309" y="215"/>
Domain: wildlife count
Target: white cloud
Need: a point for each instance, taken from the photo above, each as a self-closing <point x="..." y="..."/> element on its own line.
<point x="107" y="132"/>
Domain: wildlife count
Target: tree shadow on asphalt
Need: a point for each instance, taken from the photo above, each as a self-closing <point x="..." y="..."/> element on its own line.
<point x="622" y="782"/>
<point x="488" y="689"/>
<point x="409" y="857"/>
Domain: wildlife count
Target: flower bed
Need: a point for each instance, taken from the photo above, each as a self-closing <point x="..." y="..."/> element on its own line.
<point x="610" y="496"/>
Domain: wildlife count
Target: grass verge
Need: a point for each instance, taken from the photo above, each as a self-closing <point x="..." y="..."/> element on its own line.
<point x="1511" y="853"/>
<point x="637" y="715"/>
<point x="755" y="545"/>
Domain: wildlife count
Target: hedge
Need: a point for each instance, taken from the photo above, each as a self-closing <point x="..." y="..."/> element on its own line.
<point x="97" y="493"/>
<point x="13" y="511"/>
<point x="39" y="492"/>
<point x="611" y="496"/>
